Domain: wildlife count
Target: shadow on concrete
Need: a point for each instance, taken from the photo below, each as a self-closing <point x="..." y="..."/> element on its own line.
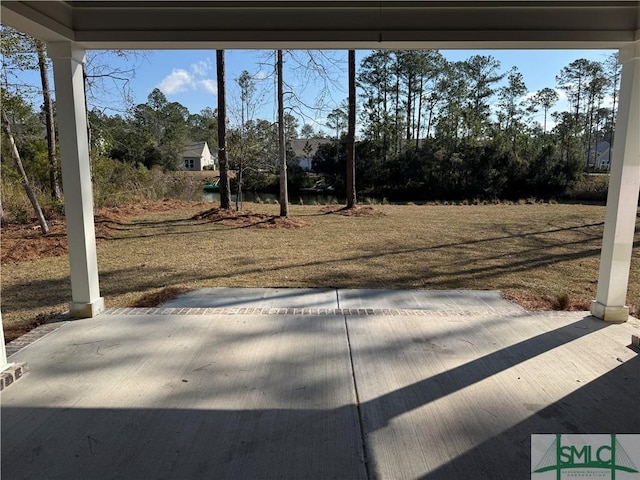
<point x="608" y="404"/>
<point x="245" y="442"/>
<point x="379" y="412"/>
<point x="141" y="443"/>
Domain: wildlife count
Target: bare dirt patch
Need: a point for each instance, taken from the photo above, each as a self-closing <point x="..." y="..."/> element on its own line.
<point x="22" y="243"/>
<point x="250" y="219"/>
<point x="357" y="211"/>
<point x="25" y="242"/>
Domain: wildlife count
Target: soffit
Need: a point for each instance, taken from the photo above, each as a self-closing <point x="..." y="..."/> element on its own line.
<point x="329" y="24"/>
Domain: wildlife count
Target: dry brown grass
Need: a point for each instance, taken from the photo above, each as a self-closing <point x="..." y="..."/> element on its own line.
<point x="542" y="256"/>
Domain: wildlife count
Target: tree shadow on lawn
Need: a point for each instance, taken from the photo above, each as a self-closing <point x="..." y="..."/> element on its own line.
<point x="118" y="228"/>
<point x="331" y="273"/>
<point x="219" y="225"/>
<point x="251" y="219"/>
<point x="46" y="292"/>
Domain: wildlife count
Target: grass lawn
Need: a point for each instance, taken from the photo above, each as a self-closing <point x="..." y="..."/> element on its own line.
<point x="542" y="255"/>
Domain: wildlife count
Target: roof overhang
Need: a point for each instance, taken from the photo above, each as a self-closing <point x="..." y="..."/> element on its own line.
<point x="329" y="24"/>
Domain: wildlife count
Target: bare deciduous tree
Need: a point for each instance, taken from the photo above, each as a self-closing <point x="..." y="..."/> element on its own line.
<point x="25" y="180"/>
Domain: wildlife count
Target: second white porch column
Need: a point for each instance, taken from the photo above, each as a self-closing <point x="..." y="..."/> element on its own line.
<point x="76" y="178"/>
<point x="3" y="350"/>
<point x="622" y="200"/>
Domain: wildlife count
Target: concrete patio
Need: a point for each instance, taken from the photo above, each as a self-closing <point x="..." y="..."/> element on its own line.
<point x="314" y="384"/>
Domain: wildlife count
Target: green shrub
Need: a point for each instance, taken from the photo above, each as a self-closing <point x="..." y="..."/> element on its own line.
<point x="16" y="207"/>
<point x="589" y="188"/>
<point x="20" y="215"/>
<point x="117" y="183"/>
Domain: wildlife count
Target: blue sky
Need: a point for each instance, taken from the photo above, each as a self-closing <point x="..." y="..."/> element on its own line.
<point x="189" y="76"/>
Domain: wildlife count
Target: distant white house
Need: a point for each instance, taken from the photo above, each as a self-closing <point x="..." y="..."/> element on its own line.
<point x="599" y="155"/>
<point x="196" y="156"/>
<point x="305" y="149"/>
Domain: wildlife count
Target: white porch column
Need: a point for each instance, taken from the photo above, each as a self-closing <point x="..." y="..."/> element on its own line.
<point x="622" y="200"/>
<point x="3" y="350"/>
<point x="76" y="178"/>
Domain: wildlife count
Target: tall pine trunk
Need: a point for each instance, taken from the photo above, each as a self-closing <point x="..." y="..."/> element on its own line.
<point x="25" y="180"/>
<point x="225" y="189"/>
<point x="544" y="128"/>
<point x="397" y="133"/>
<point x="409" y="101"/>
<point x="284" y="195"/>
<point x="419" y="115"/>
<point x="54" y="183"/>
<point x="613" y="116"/>
<point x="351" y="133"/>
<point x="385" y="128"/>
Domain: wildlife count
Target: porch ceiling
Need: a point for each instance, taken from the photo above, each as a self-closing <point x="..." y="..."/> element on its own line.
<point x="330" y="24"/>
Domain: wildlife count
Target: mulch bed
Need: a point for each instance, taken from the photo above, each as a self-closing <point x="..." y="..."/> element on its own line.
<point x="533" y="302"/>
<point x="357" y="211"/>
<point x="158" y="297"/>
<point x="23" y="243"/>
<point x="249" y="219"/>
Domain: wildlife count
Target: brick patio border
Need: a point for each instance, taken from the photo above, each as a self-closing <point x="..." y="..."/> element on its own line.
<point x="34" y="335"/>
<point x="312" y="311"/>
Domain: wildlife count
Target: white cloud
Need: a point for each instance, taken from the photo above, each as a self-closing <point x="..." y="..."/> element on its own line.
<point x="201" y="68"/>
<point x="192" y="80"/>
<point x="607" y="101"/>
<point x="209" y="85"/>
<point x="176" y="82"/>
<point x="562" y="95"/>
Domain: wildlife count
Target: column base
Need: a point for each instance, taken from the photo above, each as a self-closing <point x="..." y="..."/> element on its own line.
<point x="609" y="314"/>
<point x="86" y="310"/>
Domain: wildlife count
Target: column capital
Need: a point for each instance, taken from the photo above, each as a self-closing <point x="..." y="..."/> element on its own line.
<point x="629" y="52"/>
<point x="68" y="50"/>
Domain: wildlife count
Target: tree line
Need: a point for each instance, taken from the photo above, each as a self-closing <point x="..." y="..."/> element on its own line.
<point x="434" y="129"/>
